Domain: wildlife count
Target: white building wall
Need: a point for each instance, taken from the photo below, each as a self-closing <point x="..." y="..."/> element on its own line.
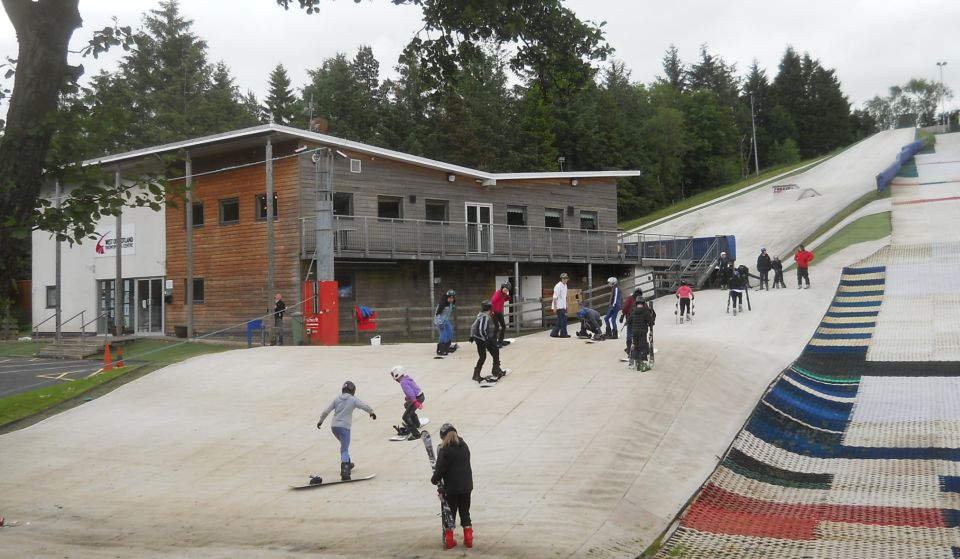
<point x="81" y="266"/>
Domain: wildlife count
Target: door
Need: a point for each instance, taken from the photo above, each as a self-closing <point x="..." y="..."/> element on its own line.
<point x="479" y="230"/>
<point x="150" y="305"/>
<point x="531" y="289"/>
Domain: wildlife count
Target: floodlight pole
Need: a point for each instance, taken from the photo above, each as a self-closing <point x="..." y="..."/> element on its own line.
<point x="943" y="111"/>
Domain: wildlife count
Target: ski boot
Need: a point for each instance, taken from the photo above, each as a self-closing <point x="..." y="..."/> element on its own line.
<point x="352" y="466"/>
<point x="582" y="334"/>
<point x="452" y="348"/>
<point x="439" y="349"/>
<point x="613" y="335"/>
<point x="740" y="308"/>
<point x="344" y="471"/>
<point x="316" y="480"/>
<point x="468" y="536"/>
<point x="449" y="541"/>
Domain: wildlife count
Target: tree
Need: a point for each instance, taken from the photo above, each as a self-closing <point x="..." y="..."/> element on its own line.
<point x="673" y="70"/>
<point x="281" y="103"/>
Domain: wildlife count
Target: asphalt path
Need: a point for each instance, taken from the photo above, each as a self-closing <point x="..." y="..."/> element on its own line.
<point x="20" y="374"/>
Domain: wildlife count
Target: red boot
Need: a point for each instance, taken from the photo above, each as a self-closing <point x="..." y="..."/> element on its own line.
<point x="468" y="536"/>
<point x="449" y="542"/>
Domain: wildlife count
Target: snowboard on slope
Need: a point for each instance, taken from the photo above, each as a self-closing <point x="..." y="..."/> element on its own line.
<point x="492" y="381"/>
<point x="402" y="432"/>
<point x="446" y="515"/>
<point x="317" y="481"/>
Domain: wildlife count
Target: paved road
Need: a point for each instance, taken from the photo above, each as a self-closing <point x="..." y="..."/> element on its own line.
<point x="20" y="374"/>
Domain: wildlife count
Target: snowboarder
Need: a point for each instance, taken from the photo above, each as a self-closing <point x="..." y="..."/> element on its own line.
<point x="559" y="304"/>
<point x="279" y="307"/>
<point x="589" y="324"/>
<point x="641" y="320"/>
<point x="763" y="267"/>
<point x="501" y="297"/>
<point x="803" y="257"/>
<point x="610" y="319"/>
<point x="453" y="469"/>
<point x="777" y="267"/>
<point x="483" y="333"/>
<point x="724" y="269"/>
<point x="735" y="297"/>
<point x="444" y="323"/>
<point x="629" y="304"/>
<point x="412" y="401"/>
<point x="684" y="297"/>
<point x="343" y="406"/>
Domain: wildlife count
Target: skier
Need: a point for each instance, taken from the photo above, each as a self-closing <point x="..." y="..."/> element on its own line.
<point x="737" y="280"/>
<point x="444" y="323"/>
<point x="641" y="319"/>
<point x="629" y="304"/>
<point x="501" y="297"/>
<point x="483" y="332"/>
<point x="684" y="297"/>
<point x="763" y="267"/>
<point x="412" y="401"/>
<point x="803" y="257"/>
<point x="777" y="267"/>
<point x="589" y="324"/>
<point x="610" y="319"/>
<point x="453" y="468"/>
<point x="724" y="268"/>
<point x="344" y="405"/>
<point x="559" y="304"/>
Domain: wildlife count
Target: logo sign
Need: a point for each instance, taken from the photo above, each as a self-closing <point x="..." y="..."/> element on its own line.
<point x="106" y="244"/>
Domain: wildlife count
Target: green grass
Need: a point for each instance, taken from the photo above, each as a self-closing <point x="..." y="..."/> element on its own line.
<point x="161" y="351"/>
<point x="708" y="195"/>
<point x="867" y="228"/>
<point x="838" y="217"/>
<point x="18" y="349"/>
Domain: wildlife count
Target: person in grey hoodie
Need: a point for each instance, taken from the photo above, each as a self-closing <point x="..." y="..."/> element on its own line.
<point x="342" y="407"/>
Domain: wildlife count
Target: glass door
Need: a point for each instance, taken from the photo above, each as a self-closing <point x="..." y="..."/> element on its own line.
<point x="150" y="305"/>
<point x="479" y="230"/>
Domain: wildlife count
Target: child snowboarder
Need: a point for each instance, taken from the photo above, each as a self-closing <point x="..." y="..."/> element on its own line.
<point x="343" y="406"/>
<point x="641" y="319"/>
<point x="483" y="332"/>
<point x="453" y="468"/>
<point x="610" y="319"/>
<point x="684" y="297"/>
<point x="737" y="281"/>
<point x="444" y="324"/>
<point x="777" y="268"/>
<point x="589" y="324"/>
<point x="499" y="299"/>
<point x="412" y="401"/>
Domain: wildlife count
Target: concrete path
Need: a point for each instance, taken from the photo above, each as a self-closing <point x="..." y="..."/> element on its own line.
<point x="573" y="454"/>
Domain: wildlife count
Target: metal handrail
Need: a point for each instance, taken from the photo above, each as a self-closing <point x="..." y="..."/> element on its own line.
<point x="71" y="318"/>
<point x="33" y="329"/>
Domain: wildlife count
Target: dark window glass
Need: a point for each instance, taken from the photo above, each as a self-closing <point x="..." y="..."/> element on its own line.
<point x="229" y="211"/>
<point x="51" y="296"/>
<point x="197" y="214"/>
<point x="516" y="215"/>
<point x="553" y="218"/>
<point x="262" y="207"/>
<point x="342" y="203"/>
<point x="588" y="221"/>
<point x="344" y="285"/>
<point x="197" y="290"/>
<point x="437" y="210"/>
<point x="389" y="207"/>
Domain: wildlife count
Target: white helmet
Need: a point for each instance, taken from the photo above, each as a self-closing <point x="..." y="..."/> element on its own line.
<point x="397" y="372"/>
<point x="611" y="280"/>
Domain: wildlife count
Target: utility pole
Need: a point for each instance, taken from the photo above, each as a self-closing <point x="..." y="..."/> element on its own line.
<point x="942" y="109"/>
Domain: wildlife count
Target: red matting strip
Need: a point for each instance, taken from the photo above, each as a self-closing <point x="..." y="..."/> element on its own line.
<point x="720" y="511"/>
<point x="924" y="201"/>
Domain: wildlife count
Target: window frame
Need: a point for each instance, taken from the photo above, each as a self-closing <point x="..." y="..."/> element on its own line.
<point x="51" y="291"/>
<point x="522" y="212"/>
<point x="436" y="202"/>
<point x="223" y="203"/>
<point x="201" y="285"/>
<point x="384" y="198"/>
<point x="596" y="220"/>
<point x="352" y="284"/>
<point x="546" y="216"/>
<point x="349" y="196"/>
<point x="260" y="203"/>
<point x="197" y="206"/>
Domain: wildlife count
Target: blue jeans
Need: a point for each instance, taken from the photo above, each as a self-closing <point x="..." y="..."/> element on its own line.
<point x="446" y="332"/>
<point x="610" y="319"/>
<point x="560" y="328"/>
<point x="343" y="435"/>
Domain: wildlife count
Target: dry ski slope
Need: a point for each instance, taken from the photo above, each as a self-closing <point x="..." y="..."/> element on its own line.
<point x="573" y="455"/>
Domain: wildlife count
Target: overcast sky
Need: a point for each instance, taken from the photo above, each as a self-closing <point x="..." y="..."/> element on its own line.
<point x="872" y="44"/>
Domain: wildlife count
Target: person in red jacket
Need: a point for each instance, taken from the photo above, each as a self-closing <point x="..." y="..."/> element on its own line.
<point x="501" y="297"/>
<point x="803" y="257"/>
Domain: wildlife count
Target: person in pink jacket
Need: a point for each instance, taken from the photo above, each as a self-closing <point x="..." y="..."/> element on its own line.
<point x="684" y="296"/>
<point x="497" y="301"/>
<point x="803" y="257"/>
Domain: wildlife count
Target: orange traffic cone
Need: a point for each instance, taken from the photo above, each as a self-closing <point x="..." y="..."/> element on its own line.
<point x="119" y="356"/>
<point x="107" y="360"/>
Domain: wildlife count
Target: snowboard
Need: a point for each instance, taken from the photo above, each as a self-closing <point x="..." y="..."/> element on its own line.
<point x="333" y="482"/>
<point x="490" y="381"/>
<point x="507" y="341"/>
<point x="446" y="515"/>
<point x="403" y="437"/>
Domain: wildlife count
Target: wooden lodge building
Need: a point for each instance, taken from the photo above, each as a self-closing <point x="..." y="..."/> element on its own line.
<point x="393" y="229"/>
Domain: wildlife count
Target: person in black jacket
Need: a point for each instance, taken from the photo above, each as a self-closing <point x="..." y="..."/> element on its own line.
<point x="483" y="332"/>
<point x="777" y="267"/>
<point x="453" y="468"/>
<point x="279" y="308"/>
<point x="764" y="266"/>
<point x="641" y="319"/>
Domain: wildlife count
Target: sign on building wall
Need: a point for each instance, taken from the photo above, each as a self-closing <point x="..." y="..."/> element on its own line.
<point x="106" y="244"/>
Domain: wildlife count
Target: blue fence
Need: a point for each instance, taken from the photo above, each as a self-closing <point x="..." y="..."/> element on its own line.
<point x="906" y="153"/>
<point x="674" y="248"/>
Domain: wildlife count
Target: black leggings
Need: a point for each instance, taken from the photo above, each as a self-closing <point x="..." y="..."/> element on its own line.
<point x="641" y="345"/>
<point x="803" y="274"/>
<point x="736" y="298"/>
<point x="684" y="305"/>
<point x="482" y="349"/>
<point x="410" y="419"/>
<point x="501" y="325"/>
<point x="459" y="504"/>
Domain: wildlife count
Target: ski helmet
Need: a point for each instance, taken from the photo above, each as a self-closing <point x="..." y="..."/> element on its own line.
<point x="611" y="280"/>
<point x="723" y="254"/>
<point x="397" y="372"/>
<point x="451" y="293"/>
<point x="637" y="292"/>
<point x="762" y="250"/>
<point x="349" y="388"/>
<point x="506" y="285"/>
<point x="581" y="313"/>
<point x="446" y="428"/>
<point x="485" y="306"/>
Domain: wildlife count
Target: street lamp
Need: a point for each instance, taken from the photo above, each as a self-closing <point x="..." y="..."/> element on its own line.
<point x="942" y="110"/>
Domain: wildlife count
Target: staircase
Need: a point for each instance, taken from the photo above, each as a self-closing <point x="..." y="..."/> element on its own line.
<point x="72" y="347"/>
<point x="686" y="268"/>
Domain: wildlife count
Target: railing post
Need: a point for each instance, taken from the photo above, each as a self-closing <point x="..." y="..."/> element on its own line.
<point x="366" y="246"/>
<point x="407" y="321"/>
<point x="418" y="239"/>
<point x="443" y="239"/>
<point x="510" y="240"/>
<point x="569" y="242"/>
<point x="83" y="334"/>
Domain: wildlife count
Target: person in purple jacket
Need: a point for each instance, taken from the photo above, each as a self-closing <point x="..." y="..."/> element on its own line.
<point x="413" y="400"/>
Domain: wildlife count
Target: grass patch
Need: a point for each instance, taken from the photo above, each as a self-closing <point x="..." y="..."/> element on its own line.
<point x="19" y="349"/>
<point x="867" y="228"/>
<point x="840" y="216"/>
<point x="162" y="351"/>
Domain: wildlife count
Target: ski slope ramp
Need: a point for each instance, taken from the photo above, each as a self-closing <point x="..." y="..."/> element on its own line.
<point x="573" y="454"/>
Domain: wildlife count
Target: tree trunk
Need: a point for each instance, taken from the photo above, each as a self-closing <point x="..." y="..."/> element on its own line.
<point x="44" y="28"/>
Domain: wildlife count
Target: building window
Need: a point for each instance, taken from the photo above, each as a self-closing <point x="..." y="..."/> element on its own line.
<point x="437" y="210"/>
<point x="342" y="203"/>
<point x="229" y="211"/>
<point x="262" y="207"/>
<point x="344" y="285"/>
<point x="553" y="217"/>
<point x="588" y="221"/>
<point x="51" y="296"/>
<point x="389" y="207"/>
<point x="354" y="165"/>
<point x="197" y="213"/>
<point x="517" y="215"/>
<point x="197" y="290"/>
